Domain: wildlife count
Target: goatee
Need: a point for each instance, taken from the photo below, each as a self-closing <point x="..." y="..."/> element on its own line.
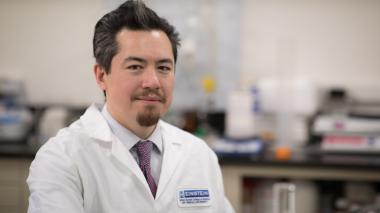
<point x="148" y="117"/>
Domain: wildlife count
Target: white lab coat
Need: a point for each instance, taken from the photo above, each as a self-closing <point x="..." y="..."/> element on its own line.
<point x="85" y="168"/>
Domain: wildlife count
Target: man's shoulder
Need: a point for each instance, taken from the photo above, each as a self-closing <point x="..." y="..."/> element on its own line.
<point x="66" y="139"/>
<point x="176" y="132"/>
<point x="184" y="137"/>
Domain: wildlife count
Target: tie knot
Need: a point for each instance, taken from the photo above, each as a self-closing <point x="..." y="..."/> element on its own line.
<point x="144" y="149"/>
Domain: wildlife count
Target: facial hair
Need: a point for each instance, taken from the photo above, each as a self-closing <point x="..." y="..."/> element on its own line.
<point x="149" y="116"/>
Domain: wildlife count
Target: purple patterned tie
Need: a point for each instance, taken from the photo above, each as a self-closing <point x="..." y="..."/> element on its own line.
<point x="144" y="149"/>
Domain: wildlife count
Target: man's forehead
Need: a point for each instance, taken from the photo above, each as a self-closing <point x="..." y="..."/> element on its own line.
<point x="144" y="43"/>
<point x="138" y="34"/>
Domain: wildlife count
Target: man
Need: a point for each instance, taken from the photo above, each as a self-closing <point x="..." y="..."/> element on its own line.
<point x="121" y="157"/>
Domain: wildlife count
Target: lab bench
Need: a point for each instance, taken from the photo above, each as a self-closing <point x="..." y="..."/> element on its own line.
<point x="327" y="167"/>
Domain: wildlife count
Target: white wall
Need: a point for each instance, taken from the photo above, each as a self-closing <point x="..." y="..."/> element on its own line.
<point x="48" y="44"/>
<point x="333" y="42"/>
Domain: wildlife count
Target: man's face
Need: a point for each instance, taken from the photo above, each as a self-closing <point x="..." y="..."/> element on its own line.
<point x="140" y="83"/>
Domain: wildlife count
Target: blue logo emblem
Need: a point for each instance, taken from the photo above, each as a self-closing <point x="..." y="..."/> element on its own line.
<point x="193" y="197"/>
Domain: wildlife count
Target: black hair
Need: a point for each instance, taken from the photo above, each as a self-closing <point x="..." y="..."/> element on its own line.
<point x="132" y="15"/>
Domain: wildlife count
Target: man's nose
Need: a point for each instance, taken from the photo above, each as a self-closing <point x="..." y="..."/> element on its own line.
<point x="150" y="78"/>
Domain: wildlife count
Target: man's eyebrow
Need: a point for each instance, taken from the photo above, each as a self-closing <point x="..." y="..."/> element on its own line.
<point x="134" y="58"/>
<point x="166" y="60"/>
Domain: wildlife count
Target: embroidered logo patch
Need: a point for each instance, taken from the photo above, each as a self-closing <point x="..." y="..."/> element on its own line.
<point x="193" y="197"/>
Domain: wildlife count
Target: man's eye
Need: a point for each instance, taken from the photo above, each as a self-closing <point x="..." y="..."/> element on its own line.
<point x="164" y="69"/>
<point x="134" y="67"/>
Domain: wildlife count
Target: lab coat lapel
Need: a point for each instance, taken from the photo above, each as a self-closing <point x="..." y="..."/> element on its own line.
<point x="173" y="155"/>
<point x="120" y="152"/>
<point x="96" y="127"/>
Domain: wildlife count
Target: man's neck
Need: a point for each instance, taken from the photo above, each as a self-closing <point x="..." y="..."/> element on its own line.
<point x="143" y="132"/>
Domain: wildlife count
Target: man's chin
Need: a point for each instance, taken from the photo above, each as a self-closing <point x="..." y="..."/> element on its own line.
<point x="147" y="122"/>
<point x="149" y="117"/>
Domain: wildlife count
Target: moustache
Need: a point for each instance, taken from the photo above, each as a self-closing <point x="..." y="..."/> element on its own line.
<point x="149" y="93"/>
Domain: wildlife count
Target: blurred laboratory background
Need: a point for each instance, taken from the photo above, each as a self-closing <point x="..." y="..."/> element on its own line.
<point x="286" y="92"/>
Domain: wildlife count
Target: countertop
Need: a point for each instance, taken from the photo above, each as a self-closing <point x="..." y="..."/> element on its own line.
<point x="309" y="159"/>
<point x="17" y="150"/>
<point x="301" y="158"/>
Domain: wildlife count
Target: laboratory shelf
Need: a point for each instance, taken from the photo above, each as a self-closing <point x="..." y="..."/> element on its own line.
<point x="302" y="165"/>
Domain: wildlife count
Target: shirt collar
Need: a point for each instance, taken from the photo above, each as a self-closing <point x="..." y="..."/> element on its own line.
<point x="126" y="136"/>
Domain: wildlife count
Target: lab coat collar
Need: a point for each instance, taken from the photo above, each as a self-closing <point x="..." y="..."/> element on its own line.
<point x="126" y="136"/>
<point x="95" y="125"/>
<point x="97" y="128"/>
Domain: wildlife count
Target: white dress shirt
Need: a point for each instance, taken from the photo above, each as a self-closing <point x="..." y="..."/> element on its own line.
<point x="129" y="139"/>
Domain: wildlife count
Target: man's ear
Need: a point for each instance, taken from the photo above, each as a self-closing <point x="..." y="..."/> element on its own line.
<point x="100" y="75"/>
